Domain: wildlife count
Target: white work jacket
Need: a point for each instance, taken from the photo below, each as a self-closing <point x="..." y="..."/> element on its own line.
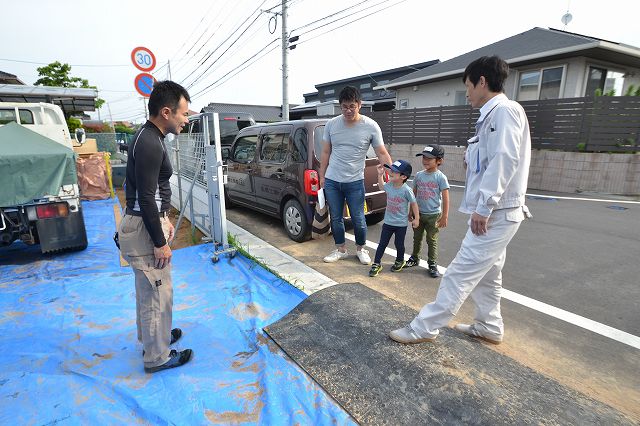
<point x="497" y="158"/>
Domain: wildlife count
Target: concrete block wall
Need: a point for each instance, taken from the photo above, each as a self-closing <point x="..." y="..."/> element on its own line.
<point x="570" y="172"/>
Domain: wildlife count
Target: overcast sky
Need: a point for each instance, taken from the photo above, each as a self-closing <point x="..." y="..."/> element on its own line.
<point x="97" y="37"/>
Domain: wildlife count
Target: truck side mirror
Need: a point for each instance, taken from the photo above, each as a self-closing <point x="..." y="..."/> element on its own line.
<point x="81" y="136"/>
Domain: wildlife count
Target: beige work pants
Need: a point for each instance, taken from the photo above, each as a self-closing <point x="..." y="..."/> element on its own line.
<point x="154" y="290"/>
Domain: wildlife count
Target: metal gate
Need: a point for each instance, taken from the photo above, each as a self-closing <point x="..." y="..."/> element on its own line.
<point x="197" y="183"/>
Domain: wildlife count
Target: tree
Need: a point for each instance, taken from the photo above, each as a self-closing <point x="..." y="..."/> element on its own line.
<point x="121" y="128"/>
<point x="73" y="124"/>
<point x="56" y="74"/>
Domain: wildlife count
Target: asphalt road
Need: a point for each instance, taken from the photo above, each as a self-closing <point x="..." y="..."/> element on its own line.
<point x="579" y="256"/>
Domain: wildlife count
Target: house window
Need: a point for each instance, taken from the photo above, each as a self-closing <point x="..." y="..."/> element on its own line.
<point x="404" y="104"/>
<point x="365" y="86"/>
<point x="540" y="84"/>
<point x="461" y="97"/>
<point x="329" y="92"/>
<point x="604" y="81"/>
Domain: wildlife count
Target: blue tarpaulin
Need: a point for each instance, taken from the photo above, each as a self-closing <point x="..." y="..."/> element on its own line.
<point x="69" y="353"/>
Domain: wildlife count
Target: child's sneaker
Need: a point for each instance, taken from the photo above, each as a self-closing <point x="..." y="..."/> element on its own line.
<point x="375" y="270"/>
<point x="412" y="261"/>
<point x="433" y="270"/>
<point x="398" y="265"/>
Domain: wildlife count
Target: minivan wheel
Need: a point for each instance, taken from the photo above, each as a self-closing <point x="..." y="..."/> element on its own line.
<point x="295" y="221"/>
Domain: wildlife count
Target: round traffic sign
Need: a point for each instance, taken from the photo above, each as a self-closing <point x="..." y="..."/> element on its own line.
<point x="143" y="59"/>
<point x="144" y="84"/>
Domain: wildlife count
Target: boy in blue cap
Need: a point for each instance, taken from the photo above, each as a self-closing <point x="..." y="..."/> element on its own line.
<point x="396" y="217"/>
<point x="431" y="189"/>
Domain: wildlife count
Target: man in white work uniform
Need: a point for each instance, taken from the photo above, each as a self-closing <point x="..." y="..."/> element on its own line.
<point x="497" y="160"/>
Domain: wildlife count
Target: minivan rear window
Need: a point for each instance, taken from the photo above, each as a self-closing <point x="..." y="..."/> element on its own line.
<point x="317" y="141"/>
<point x="299" y="150"/>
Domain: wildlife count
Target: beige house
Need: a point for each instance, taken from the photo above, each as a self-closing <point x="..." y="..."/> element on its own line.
<point x="545" y="64"/>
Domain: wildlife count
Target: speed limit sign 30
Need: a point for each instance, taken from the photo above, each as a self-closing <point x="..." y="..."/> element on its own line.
<point x="143" y="59"/>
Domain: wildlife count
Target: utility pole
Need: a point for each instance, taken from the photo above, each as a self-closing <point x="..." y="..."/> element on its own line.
<point x="111" y="117"/>
<point x="169" y="67"/>
<point x="146" y="114"/>
<point x="285" y="66"/>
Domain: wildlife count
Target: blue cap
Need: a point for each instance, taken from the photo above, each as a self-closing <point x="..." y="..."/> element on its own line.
<point x="400" y="166"/>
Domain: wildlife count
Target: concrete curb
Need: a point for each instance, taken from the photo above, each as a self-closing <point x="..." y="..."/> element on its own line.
<point x="292" y="270"/>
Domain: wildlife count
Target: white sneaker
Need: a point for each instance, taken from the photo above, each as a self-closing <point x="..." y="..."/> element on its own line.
<point x="406" y="335"/>
<point x="473" y="331"/>
<point x="363" y="256"/>
<point x="335" y="255"/>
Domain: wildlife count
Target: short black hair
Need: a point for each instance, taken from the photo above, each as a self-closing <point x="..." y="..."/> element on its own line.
<point x="166" y="93"/>
<point x="350" y="94"/>
<point x="494" y="69"/>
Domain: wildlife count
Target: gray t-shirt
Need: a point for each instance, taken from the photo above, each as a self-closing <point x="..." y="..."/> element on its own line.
<point x="398" y="199"/>
<point x="349" y="145"/>
<point x="429" y="187"/>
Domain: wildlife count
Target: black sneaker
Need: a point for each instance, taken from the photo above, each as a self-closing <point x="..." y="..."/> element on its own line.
<point x="412" y="261"/>
<point x="176" y="359"/>
<point x="433" y="271"/>
<point x="375" y="270"/>
<point x="398" y="265"/>
<point x="176" y="334"/>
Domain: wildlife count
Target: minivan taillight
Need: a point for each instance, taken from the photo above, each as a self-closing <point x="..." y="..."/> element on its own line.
<point x="46" y="211"/>
<point x="311" y="182"/>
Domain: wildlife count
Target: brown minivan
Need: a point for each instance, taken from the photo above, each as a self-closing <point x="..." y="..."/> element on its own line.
<point x="273" y="168"/>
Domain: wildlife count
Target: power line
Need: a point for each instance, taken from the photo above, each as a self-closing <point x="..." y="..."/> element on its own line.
<point x="210" y="53"/>
<point x="218" y="17"/>
<point x="228" y="57"/>
<point x="234" y="42"/>
<point x="201" y="92"/>
<point x="344" y="17"/>
<point x="192" y="32"/>
<point x="242" y="69"/>
<point x="71" y="65"/>
<point x="227" y="39"/>
<point x="350" y="22"/>
<point x="329" y="16"/>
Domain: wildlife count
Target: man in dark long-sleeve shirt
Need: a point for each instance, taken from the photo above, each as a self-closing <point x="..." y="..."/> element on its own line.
<point x="145" y="230"/>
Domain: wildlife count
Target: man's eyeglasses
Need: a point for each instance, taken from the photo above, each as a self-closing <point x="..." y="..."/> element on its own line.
<point x="348" y="107"/>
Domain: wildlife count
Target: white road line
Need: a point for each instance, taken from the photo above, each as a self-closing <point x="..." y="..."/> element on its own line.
<point x="561" y="314"/>
<point x="599" y="200"/>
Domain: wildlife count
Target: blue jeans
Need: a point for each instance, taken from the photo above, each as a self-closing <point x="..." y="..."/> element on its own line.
<point x="387" y="231"/>
<point x="336" y="193"/>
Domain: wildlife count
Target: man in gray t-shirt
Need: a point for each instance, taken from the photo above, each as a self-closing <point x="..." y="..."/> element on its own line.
<point x="346" y="140"/>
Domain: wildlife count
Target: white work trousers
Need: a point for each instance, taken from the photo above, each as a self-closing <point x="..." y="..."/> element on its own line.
<point x="476" y="271"/>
